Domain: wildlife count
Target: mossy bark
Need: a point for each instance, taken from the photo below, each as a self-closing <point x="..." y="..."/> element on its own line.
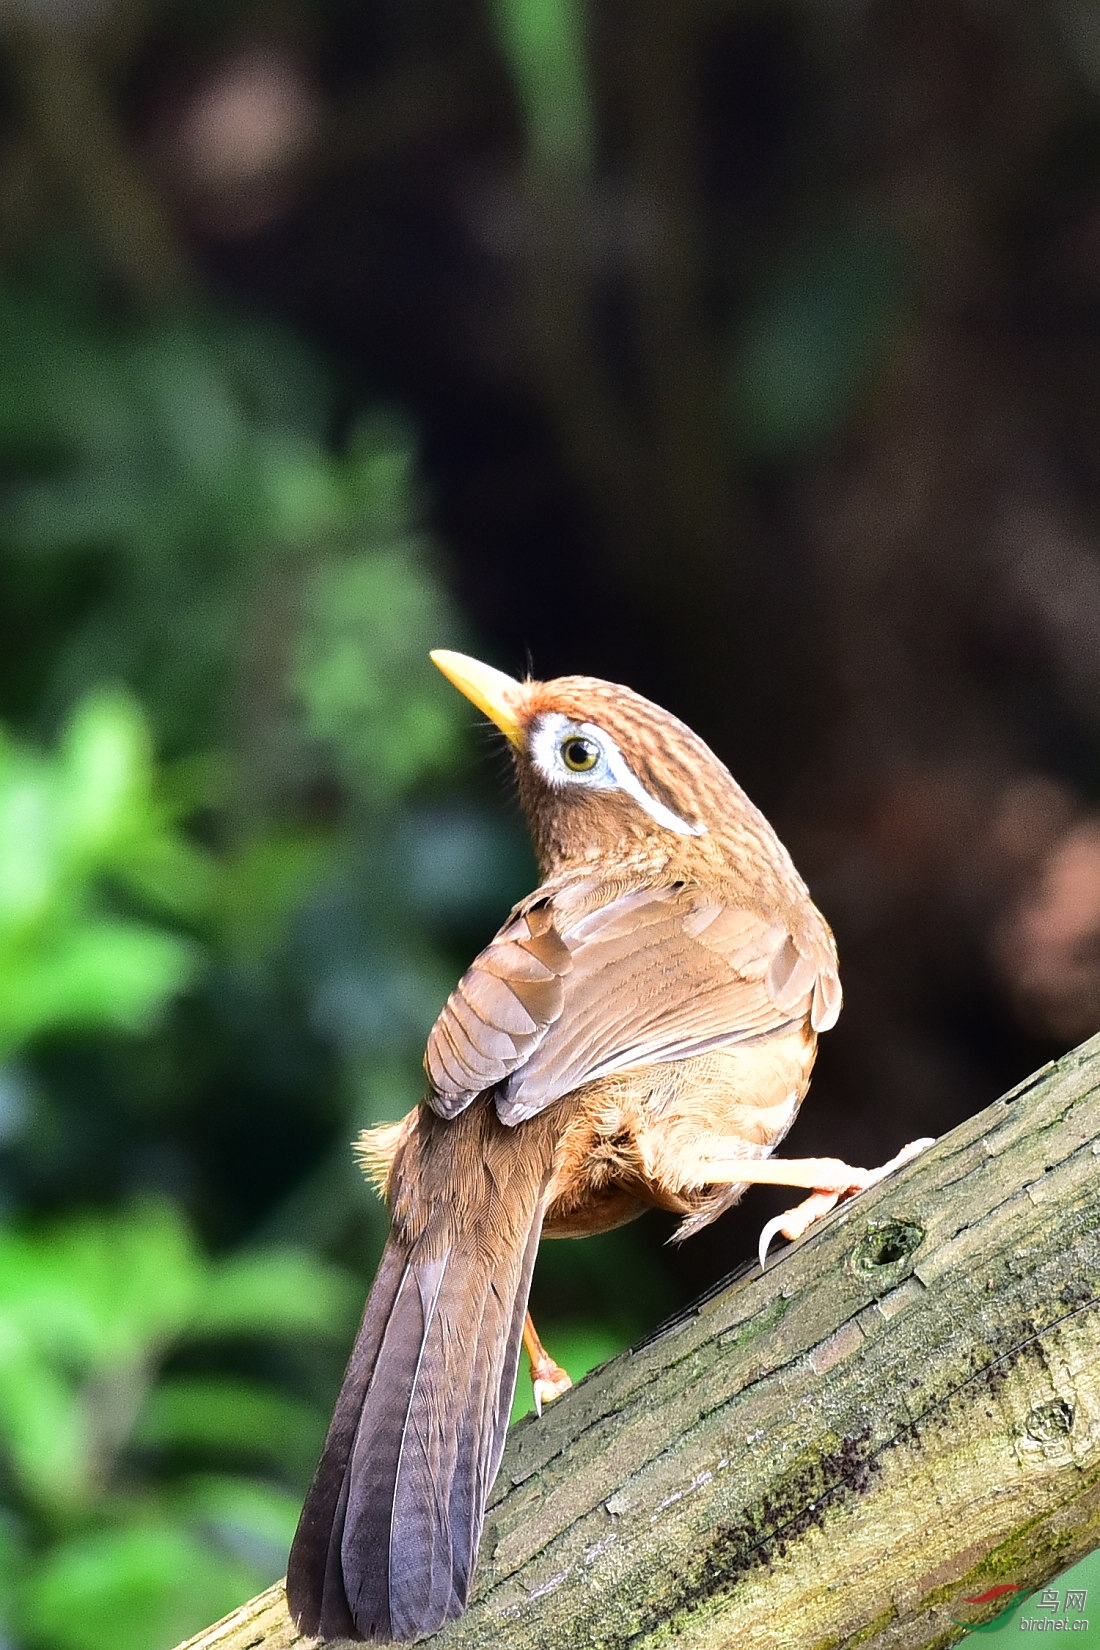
<point x="902" y="1411"/>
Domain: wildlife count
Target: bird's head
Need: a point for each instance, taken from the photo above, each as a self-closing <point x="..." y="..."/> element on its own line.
<point x="607" y="777"/>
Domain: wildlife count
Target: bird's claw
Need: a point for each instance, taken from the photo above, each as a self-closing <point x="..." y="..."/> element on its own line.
<point x="548" y="1379"/>
<point x="548" y="1385"/>
<point x="792" y="1223"/>
<point x="771" y="1230"/>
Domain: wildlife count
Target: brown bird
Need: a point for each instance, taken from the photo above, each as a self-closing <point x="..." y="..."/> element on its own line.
<point x="639" y="1033"/>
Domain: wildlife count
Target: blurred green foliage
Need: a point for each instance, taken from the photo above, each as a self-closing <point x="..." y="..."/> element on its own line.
<point x="70" y="827"/>
<point x="173" y="498"/>
<point x="544" y="43"/>
<point x="217" y="957"/>
<point x="132" y="1523"/>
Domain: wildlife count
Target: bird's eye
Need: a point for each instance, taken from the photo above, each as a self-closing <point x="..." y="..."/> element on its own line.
<point x="579" y="755"/>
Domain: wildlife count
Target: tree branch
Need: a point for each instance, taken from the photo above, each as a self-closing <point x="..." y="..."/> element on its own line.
<point x="903" y="1410"/>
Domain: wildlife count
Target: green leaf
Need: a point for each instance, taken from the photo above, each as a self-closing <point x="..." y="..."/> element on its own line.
<point x="92" y="1305"/>
<point x="99" y="973"/>
<point x="301" y="489"/>
<point x="172" y="873"/>
<point x="273" y="1292"/>
<point x="43" y="1306"/>
<point x="264" y="884"/>
<point x="13" y="1566"/>
<point x="143" y="1273"/>
<point x="254" y="1518"/>
<point x="29" y="868"/>
<point x="231" y="1419"/>
<point x="101" y="1291"/>
<point x="143" y="1586"/>
<point x="44" y="1433"/>
<point x="191" y="403"/>
<point x="67" y="824"/>
<point x="105" y="776"/>
<point x="543" y="43"/>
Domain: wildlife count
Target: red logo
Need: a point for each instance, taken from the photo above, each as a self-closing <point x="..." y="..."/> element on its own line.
<point x="1012" y="1595"/>
<point x="994" y="1592"/>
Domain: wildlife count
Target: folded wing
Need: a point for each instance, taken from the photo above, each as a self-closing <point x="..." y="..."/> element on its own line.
<point x="571" y="990"/>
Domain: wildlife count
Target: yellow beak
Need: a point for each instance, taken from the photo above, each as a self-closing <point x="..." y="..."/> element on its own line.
<point x="490" y="690"/>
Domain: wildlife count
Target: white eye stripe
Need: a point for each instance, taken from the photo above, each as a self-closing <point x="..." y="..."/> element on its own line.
<point x="611" y="772"/>
<point x="629" y="782"/>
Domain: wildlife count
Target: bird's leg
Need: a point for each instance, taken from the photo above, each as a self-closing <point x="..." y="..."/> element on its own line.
<point x="548" y="1379"/>
<point x="830" y="1181"/>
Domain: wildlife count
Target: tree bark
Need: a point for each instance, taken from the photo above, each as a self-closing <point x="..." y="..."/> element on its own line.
<point x="902" y="1411"/>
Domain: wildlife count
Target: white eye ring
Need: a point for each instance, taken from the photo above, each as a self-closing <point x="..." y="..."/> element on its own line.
<point x="546" y="743"/>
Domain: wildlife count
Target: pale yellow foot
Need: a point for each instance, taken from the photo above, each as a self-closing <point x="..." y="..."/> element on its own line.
<point x="792" y="1223"/>
<point x="548" y="1379"/>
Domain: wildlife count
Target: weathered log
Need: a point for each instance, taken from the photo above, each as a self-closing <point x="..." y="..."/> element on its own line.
<point x="904" y="1410"/>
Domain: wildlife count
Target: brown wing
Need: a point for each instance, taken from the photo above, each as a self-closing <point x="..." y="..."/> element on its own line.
<point x="499" y="1010"/>
<point x="656" y="975"/>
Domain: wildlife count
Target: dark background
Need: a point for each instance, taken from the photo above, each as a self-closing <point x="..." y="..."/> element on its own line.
<point x="746" y="353"/>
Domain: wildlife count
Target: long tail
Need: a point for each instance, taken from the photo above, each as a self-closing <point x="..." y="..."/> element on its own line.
<point x="388" y="1537"/>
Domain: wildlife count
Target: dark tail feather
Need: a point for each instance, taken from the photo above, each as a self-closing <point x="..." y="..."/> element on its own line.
<point x="389" y="1533"/>
<point x="314" y="1581"/>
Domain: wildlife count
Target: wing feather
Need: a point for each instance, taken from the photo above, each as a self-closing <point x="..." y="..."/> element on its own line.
<point x="499" y="1010"/>
<point x="571" y="990"/>
<point x="489" y="996"/>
